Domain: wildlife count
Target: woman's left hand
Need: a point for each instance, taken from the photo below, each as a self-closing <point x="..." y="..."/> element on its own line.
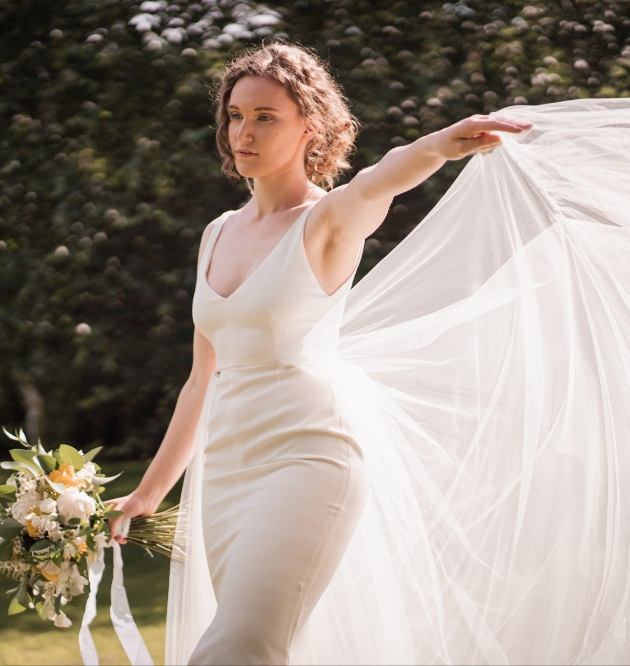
<point x="472" y="135"/>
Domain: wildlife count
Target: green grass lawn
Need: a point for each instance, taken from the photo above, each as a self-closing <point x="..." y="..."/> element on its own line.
<point x="25" y="639"/>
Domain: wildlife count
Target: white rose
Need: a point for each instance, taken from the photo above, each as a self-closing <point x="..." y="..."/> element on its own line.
<point x="74" y="503"/>
<point x="87" y="473"/>
<point x="48" y="505"/>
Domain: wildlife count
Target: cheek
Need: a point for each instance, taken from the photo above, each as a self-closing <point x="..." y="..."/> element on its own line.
<point x="231" y="133"/>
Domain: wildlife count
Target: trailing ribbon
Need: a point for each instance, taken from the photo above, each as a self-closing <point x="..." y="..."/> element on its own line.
<point x="124" y="625"/>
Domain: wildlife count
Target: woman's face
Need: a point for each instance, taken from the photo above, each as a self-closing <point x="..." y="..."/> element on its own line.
<point x="265" y="121"/>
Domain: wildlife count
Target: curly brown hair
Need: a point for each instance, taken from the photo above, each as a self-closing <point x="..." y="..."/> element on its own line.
<point x="306" y="78"/>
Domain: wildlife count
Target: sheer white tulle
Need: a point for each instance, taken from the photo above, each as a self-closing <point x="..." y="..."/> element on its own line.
<point x="484" y="367"/>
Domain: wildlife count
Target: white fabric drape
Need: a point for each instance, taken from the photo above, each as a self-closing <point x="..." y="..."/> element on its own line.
<point x="120" y="612"/>
<point x="484" y="367"/>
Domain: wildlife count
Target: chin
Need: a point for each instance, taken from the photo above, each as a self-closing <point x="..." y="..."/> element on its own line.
<point x="249" y="171"/>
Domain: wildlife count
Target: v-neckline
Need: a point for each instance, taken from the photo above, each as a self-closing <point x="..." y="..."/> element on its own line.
<point x="275" y="247"/>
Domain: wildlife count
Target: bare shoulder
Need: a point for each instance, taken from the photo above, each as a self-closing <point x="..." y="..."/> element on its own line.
<point x="206" y="234"/>
<point x="348" y="214"/>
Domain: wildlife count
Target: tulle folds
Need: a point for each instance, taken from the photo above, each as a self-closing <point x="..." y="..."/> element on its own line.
<point x="483" y="367"/>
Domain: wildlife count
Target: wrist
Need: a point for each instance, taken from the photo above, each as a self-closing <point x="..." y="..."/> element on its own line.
<point x="149" y="498"/>
<point x="432" y="146"/>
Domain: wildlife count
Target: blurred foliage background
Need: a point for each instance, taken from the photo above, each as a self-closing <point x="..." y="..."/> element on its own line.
<point x="109" y="172"/>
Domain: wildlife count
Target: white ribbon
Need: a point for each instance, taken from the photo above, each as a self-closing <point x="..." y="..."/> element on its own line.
<point x="124" y="625"/>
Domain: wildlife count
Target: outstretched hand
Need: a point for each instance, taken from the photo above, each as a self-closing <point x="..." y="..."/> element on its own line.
<point x="132" y="506"/>
<point x="473" y="135"/>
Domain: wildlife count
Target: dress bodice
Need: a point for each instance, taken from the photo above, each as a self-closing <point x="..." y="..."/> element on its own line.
<point x="272" y="310"/>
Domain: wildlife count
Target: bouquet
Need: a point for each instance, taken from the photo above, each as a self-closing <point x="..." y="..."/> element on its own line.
<point x="53" y="526"/>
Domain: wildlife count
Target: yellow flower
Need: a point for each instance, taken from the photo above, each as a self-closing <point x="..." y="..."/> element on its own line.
<point x="50" y="571"/>
<point x="81" y="548"/>
<point x="32" y="531"/>
<point x="65" y="474"/>
<point x="49" y="576"/>
<point x="30" y="528"/>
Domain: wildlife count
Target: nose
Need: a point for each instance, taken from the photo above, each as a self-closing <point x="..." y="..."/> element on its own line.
<point x="245" y="129"/>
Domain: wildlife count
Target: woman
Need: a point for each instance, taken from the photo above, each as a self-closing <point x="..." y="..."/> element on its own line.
<point x="285" y="436"/>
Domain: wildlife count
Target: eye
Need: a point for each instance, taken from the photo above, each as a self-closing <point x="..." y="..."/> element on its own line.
<point x="265" y="116"/>
<point x="231" y="115"/>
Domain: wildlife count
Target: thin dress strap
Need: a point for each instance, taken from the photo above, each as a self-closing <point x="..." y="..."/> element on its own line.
<point x="211" y="239"/>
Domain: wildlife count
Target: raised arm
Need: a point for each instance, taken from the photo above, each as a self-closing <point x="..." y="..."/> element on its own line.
<point x="354" y="211"/>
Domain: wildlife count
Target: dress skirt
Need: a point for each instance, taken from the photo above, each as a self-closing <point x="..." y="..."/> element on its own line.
<point x="284" y="486"/>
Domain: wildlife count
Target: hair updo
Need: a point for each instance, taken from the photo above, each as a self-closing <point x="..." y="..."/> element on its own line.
<point x="319" y="98"/>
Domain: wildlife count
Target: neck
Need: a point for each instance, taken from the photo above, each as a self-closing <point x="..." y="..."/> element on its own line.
<point x="280" y="191"/>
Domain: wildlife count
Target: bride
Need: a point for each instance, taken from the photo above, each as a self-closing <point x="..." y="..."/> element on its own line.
<point x="431" y="467"/>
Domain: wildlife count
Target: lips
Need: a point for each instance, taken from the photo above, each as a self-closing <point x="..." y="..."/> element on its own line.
<point x="245" y="152"/>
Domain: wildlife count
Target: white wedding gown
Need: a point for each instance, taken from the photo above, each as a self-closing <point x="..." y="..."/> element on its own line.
<point x="471" y="393"/>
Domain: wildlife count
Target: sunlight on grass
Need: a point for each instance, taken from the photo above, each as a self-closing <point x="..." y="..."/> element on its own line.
<point x="62" y="646"/>
<point x="27" y="640"/>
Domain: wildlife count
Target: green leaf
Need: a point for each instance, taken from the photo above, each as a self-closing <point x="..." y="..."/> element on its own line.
<point x="108" y="515"/>
<point x="23" y="455"/>
<point x="90" y="454"/>
<point x="22" y="467"/>
<point x="6" y="549"/>
<point x="7" y="490"/>
<point x="58" y="604"/>
<point x="10" y="528"/>
<point x="48" y="463"/>
<point x="23" y="596"/>
<point x="40" y="545"/>
<point x="15" y="607"/>
<point x="70" y="455"/>
<point x="39" y="607"/>
<point x="74" y="521"/>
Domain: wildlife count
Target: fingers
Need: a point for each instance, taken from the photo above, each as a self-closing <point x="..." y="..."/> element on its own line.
<point x="115" y="523"/>
<point x="113" y="526"/>
<point x="483" y="141"/>
<point x="474" y="126"/>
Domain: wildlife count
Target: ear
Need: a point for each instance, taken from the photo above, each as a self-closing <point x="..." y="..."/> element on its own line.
<point x="309" y="131"/>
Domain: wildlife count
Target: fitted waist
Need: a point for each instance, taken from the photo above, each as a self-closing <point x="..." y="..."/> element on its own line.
<point x="243" y="366"/>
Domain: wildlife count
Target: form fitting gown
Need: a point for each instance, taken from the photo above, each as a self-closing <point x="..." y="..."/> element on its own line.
<point x="283" y="482"/>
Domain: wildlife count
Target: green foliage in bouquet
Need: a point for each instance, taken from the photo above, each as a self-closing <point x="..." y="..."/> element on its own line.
<point x="53" y="525"/>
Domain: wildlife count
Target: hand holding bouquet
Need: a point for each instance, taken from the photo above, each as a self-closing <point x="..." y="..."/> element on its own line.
<point x="54" y="526"/>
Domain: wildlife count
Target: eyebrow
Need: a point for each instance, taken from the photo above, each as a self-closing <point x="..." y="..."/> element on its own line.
<point x="258" y="108"/>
